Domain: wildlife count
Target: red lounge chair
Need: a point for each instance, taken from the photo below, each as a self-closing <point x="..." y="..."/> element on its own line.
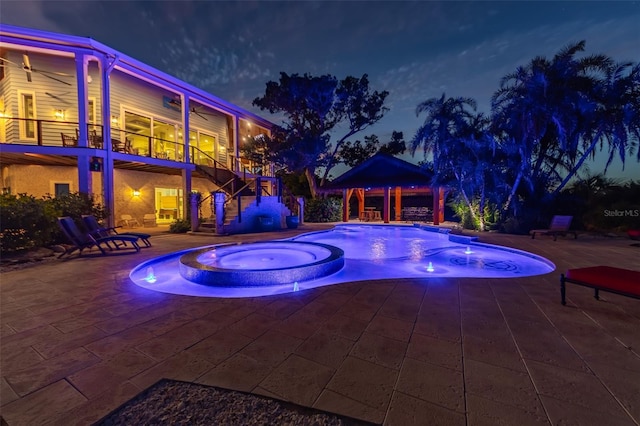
<point x="559" y="226"/>
<point x="606" y="278"/>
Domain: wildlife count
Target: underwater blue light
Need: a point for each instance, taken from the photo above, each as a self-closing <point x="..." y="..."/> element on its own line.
<point x="370" y="252"/>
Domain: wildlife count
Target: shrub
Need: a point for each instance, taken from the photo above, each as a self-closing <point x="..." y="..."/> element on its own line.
<point x="323" y="210"/>
<point x="27" y="222"/>
<point x="180" y="226"/>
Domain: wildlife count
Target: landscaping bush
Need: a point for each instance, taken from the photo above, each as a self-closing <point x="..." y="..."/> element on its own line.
<point x="27" y="222"/>
<point x="321" y="210"/>
<point x="180" y="226"/>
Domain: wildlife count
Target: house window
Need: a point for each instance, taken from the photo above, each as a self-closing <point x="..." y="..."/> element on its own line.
<point x="61" y="189"/>
<point x="27" y="110"/>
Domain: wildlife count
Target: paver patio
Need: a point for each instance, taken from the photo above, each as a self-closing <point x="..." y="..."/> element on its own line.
<point x="78" y="339"/>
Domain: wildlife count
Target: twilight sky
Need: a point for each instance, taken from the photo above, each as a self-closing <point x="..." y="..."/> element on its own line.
<point x="414" y="50"/>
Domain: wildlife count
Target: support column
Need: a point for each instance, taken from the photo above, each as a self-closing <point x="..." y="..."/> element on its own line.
<point x="386" y="207"/>
<point x="436" y="204"/>
<point x="441" y="204"/>
<point x="84" y="170"/>
<point x="218" y="200"/>
<point x="186" y="193"/>
<point x="398" y="204"/>
<point x="360" y="195"/>
<point x="346" y="194"/>
<point x="108" y="185"/>
<point x="194" y="218"/>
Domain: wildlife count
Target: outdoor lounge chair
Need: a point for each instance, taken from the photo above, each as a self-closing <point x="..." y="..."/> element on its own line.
<point x="606" y="278"/>
<point x="559" y="226"/>
<point x="129" y="221"/>
<point x="92" y="225"/>
<point x="149" y="219"/>
<point x="81" y="240"/>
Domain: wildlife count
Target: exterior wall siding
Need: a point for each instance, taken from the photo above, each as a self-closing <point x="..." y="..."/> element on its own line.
<point x="20" y="178"/>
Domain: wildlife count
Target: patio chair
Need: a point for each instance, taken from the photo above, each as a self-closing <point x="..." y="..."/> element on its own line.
<point x="92" y="225"/>
<point x="81" y="240"/>
<point x="68" y="140"/>
<point x="128" y="221"/>
<point x="149" y="219"/>
<point x="559" y="226"/>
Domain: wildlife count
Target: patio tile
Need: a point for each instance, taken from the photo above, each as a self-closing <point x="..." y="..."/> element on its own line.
<point x="623" y="383"/>
<point x="96" y="379"/>
<point x="365" y="382"/>
<point x="68" y="341"/>
<point x="166" y="322"/>
<point x="344" y="326"/>
<point x="133" y="317"/>
<point x="358" y="311"/>
<point x="254" y="325"/>
<point x="183" y="366"/>
<point x="298" y="380"/>
<point x="16" y="360"/>
<point x="502" y="385"/>
<point x="380" y="350"/>
<point x="432" y="383"/>
<point x="487" y="412"/>
<point x="573" y="387"/>
<point x="42" y="405"/>
<point x="271" y="348"/>
<point x="49" y="371"/>
<point x="390" y="327"/>
<point x="337" y="403"/>
<point x="118" y="342"/>
<point x="219" y="346"/>
<point x="91" y="411"/>
<point x="496" y="351"/>
<point x="240" y="372"/>
<point x="406" y="410"/>
<point x="435" y="351"/>
<point x="542" y="342"/>
<point x="565" y="413"/>
<point x="439" y="323"/>
<point x="327" y="349"/>
<point x="300" y="325"/>
<point x="7" y="394"/>
<point x="180" y="338"/>
<point x="282" y="308"/>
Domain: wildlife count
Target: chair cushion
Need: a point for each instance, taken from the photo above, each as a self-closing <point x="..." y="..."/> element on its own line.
<point x="623" y="280"/>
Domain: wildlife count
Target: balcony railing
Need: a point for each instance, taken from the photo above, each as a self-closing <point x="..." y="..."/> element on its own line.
<point x="39" y="132"/>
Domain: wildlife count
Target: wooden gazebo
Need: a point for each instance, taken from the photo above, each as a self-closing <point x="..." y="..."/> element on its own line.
<point x="382" y="173"/>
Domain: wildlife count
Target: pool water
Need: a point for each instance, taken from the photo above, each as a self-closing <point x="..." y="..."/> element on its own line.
<point x="360" y="252"/>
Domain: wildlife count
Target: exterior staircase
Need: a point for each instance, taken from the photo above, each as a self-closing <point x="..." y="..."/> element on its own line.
<point x="227" y="180"/>
<point x="249" y="217"/>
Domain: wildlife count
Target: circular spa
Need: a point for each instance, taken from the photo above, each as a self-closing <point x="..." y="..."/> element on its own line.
<point x="260" y="264"/>
<point x="345" y="253"/>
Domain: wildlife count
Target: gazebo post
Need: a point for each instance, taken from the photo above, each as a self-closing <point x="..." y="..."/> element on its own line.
<point x="398" y="204"/>
<point x="346" y="195"/>
<point x="436" y="204"/>
<point x="360" y="195"/>
<point x="386" y="208"/>
<point x="441" y="198"/>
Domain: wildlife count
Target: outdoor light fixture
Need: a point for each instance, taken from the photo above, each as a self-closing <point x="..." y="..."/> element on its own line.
<point x="59" y="114"/>
<point x="114" y="120"/>
<point x="136" y="192"/>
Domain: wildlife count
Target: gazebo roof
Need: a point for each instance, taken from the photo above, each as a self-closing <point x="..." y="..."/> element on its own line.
<point x="382" y="170"/>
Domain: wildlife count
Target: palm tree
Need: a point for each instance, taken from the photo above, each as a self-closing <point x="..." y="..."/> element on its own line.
<point x="616" y="118"/>
<point x="538" y="113"/>
<point x="446" y="120"/>
<point x="462" y="149"/>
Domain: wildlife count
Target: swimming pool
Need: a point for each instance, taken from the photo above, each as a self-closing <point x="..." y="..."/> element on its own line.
<point x="343" y="254"/>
